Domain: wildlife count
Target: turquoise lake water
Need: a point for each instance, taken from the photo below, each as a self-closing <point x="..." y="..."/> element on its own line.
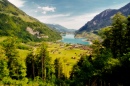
<point x="69" y="38"/>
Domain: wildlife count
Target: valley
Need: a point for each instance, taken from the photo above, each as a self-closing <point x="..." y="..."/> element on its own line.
<point x="69" y="54"/>
<point x="45" y="50"/>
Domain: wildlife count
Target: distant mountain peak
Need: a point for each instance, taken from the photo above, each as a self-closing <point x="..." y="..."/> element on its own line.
<point x="126" y="6"/>
<point x="106" y="12"/>
<point x="104" y="19"/>
<point x="60" y="28"/>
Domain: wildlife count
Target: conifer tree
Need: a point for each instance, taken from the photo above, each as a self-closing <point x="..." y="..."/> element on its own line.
<point x="17" y="70"/>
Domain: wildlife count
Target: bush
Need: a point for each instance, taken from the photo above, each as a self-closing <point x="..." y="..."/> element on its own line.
<point x="22" y="46"/>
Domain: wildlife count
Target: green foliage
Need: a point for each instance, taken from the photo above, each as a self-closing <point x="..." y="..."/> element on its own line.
<point x="38" y="61"/>
<point x="110" y="59"/>
<point x="58" y="68"/>
<point x="4" y="72"/>
<point x="14" y="26"/>
<point x="9" y="81"/>
<point x="117" y="37"/>
<point x="60" y="78"/>
<point x="17" y="69"/>
<point x="108" y="65"/>
<point x="81" y="72"/>
<point x="13" y="22"/>
<point x="23" y="47"/>
<point x="44" y="30"/>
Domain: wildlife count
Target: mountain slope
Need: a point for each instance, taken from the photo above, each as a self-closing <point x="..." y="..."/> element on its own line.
<point x="60" y="28"/>
<point x="14" y="22"/>
<point x="103" y="19"/>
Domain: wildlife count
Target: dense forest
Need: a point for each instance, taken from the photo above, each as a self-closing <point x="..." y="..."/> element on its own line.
<point x="107" y="65"/>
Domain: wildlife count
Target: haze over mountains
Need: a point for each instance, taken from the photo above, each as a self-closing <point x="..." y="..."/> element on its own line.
<point x="60" y="28"/>
<point x="104" y="19"/>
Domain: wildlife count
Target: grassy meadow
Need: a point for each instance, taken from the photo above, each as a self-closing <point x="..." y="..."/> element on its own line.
<point x="68" y="55"/>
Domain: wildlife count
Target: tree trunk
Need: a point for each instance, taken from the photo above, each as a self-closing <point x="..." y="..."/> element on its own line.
<point x="43" y="68"/>
<point x="33" y="68"/>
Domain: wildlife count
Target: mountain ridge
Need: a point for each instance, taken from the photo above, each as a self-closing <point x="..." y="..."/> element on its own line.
<point x="103" y="19"/>
<point x="60" y="28"/>
<point x="14" y="22"/>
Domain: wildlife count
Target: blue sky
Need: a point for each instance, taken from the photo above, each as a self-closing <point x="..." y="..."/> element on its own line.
<point x="72" y="14"/>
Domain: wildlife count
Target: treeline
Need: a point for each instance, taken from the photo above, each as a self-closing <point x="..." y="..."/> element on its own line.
<point x="109" y="63"/>
<point x="37" y="69"/>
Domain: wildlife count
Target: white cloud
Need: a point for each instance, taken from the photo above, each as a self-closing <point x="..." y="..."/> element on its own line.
<point x="77" y="22"/>
<point x="36" y="11"/>
<point x="52" y="18"/>
<point x="47" y="9"/>
<point x="71" y="22"/>
<point x="39" y="7"/>
<point x="18" y="3"/>
<point x="52" y="9"/>
<point x="44" y="12"/>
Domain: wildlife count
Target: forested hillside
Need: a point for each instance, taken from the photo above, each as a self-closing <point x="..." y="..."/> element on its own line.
<point x="109" y="63"/>
<point x="30" y="54"/>
<point x="14" y="22"/>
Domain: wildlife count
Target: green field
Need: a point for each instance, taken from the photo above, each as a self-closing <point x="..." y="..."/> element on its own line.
<point x="68" y="56"/>
<point x="3" y="38"/>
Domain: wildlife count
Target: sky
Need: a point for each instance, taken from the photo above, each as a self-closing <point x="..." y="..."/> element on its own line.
<point x="72" y="14"/>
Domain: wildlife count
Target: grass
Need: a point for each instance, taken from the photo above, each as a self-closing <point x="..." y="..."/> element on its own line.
<point x="23" y="53"/>
<point x="68" y="57"/>
<point x="3" y="38"/>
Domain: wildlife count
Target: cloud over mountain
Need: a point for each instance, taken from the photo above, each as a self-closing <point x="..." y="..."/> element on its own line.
<point x="18" y="3"/>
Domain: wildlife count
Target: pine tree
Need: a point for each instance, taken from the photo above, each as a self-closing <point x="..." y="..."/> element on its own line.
<point x="115" y="38"/>
<point x="17" y="70"/>
<point x="38" y="61"/>
<point x="4" y="72"/>
<point x="45" y="60"/>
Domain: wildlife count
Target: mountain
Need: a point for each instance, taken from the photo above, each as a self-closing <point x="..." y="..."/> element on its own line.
<point x="60" y="28"/>
<point x="14" y="22"/>
<point x="103" y="19"/>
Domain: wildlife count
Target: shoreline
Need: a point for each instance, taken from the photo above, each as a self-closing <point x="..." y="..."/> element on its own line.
<point x="90" y="42"/>
<point x="82" y="41"/>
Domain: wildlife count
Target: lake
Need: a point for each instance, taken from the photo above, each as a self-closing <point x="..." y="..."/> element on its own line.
<point x="69" y="38"/>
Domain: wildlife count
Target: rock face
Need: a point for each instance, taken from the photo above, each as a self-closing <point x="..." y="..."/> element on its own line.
<point x="103" y="19"/>
<point x="36" y="33"/>
<point x="30" y="30"/>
